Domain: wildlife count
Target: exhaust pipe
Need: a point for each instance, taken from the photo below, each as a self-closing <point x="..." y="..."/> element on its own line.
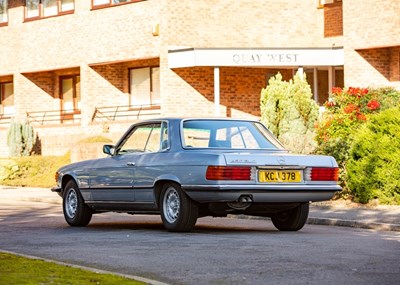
<point x="245" y="199"/>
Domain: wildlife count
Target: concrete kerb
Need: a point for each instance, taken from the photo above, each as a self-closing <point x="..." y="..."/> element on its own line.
<point x="95" y="270"/>
<point x="353" y="224"/>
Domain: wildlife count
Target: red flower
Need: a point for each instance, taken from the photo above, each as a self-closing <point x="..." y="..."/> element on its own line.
<point x="349" y="108"/>
<point x="361" y="117"/>
<point x="373" y="105"/>
<point x="336" y="90"/>
<point x="356" y="91"/>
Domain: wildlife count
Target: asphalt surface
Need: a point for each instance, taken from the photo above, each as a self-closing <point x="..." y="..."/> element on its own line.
<point x="384" y="218"/>
<point x="33" y="224"/>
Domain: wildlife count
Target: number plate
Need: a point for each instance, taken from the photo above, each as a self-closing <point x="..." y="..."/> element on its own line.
<point x="279" y="176"/>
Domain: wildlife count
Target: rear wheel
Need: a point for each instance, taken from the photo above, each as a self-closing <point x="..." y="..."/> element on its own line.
<point x="76" y="212"/>
<point x="178" y="212"/>
<point x="292" y="219"/>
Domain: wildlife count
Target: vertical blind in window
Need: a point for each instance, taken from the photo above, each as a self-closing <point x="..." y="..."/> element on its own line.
<point x="48" y="8"/>
<point x="3" y="11"/>
<point x="32" y="8"/>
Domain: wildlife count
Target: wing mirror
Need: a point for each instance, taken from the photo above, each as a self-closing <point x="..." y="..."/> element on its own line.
<point x="108" y="149"/>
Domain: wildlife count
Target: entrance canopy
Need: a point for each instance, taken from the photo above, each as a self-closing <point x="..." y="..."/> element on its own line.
<point x="289" y="58"/>
<point x="249" y="57"/>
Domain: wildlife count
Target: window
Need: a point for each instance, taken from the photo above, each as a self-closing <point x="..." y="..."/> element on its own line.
<point x="7" y="98"/>
<point x="70" y="93"/>
<point x="35" y="9"/>
<point x="3" y="12"/>
<point x="227" y="135"/>
<point x="107" y="3"/>
<point x="146" y="138"/>
<point x="145" y="86"/>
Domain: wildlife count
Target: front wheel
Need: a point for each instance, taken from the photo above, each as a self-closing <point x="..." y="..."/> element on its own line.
<point x="178" y="212"/>
<point x="76" y="212"/>
<point x="292" y="219"/>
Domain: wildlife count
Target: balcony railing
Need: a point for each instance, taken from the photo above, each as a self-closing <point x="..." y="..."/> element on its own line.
<point x="54" y="117"/>
<point x="114" y="113"/>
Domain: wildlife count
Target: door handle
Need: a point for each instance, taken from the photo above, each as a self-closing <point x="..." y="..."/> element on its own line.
<point x="131" y="163"/>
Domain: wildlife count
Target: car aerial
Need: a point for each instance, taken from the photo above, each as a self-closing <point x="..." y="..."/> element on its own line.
<point x="186" y="168"/>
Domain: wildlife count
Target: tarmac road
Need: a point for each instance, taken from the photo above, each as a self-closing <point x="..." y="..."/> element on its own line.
<point x="218" y="251"/>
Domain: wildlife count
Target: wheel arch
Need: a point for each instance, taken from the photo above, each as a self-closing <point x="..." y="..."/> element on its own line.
<point x="158" y="185"/>
<point x="65" y="179"/>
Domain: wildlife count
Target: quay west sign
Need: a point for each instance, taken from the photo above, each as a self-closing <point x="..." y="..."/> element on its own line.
<point x="275" y="57"/>
<point x="266" y="58"/>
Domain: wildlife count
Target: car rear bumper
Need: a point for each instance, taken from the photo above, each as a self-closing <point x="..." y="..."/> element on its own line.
<point x="261" y="194"/>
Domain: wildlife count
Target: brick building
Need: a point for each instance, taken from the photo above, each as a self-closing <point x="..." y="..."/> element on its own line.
<point x="78" y="68"/>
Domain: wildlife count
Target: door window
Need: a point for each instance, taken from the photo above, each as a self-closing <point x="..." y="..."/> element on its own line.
<point x="146" y="138"/>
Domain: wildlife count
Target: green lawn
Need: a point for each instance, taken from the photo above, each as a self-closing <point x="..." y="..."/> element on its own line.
<point x="20" y="270"/>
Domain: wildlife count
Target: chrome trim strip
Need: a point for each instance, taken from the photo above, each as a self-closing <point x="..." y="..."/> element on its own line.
<point x="117" y="202"/>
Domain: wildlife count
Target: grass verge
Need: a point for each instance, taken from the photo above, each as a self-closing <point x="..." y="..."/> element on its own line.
<point x="21" y="270"/>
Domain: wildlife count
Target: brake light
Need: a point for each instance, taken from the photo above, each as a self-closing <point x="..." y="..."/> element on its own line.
<point x="322" y="174"/>
<point x="228" y="173"/>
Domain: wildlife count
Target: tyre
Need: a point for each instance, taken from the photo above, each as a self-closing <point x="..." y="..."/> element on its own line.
<point x="178" y="212"/>
<point x="76" y="212"/>
<point x="291" y="220"/>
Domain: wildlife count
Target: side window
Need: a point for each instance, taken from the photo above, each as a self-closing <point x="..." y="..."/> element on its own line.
<point x="153" y="142"/>
<point x="145" y="138"/>
<point x="164" y="136"/>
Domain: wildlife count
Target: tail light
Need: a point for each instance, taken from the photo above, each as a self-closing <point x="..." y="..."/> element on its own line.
<point x="322" y="174"/>
<point x="228" y="173"/>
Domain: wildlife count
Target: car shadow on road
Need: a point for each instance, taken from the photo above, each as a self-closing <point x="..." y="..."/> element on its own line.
<point x="204" y="225"/>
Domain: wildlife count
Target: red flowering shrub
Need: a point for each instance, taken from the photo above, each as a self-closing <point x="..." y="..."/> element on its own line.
<point x="345" y="112"/>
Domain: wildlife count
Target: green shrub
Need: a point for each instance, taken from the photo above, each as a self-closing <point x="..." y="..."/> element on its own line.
<point x="288" y="110"/>
<point x="20" y="138"/>
<point x="346" y="111"/>
<point x="373" y="168"/>
<point x="32" y="171"/>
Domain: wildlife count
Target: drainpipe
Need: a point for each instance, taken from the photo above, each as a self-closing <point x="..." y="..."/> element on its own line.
<point x="216" y="92"/>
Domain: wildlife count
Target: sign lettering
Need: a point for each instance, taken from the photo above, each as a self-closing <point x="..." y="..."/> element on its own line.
<point x="267" y="58"/>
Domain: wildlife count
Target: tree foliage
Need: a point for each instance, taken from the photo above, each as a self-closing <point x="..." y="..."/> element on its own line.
<point x="288" y="110"/>
<point x="20" y="138"/>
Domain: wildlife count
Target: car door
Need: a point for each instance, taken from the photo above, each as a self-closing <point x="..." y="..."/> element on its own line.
<point x="149" y="164"/>
<point x="112" y="178"/>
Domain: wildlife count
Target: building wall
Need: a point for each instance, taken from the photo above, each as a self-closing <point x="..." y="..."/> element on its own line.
<point x="333" y="19"/>
<point x="87" y="36"/>
<point x="245" y="23"/>
<point x="371" y="34"/>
